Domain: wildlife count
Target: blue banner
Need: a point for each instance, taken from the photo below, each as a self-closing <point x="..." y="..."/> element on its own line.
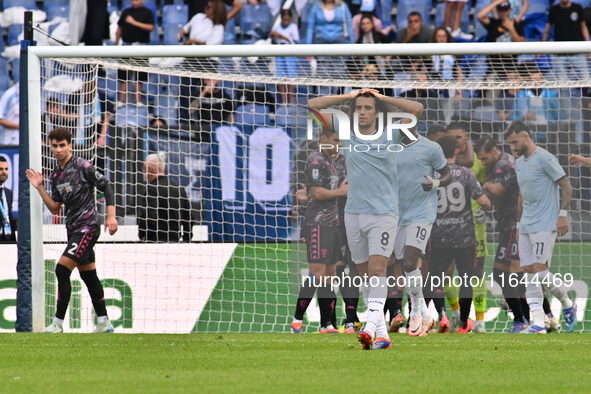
<point x="250" y="178"/>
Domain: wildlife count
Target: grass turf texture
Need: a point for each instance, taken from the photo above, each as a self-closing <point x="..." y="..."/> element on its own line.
<point x="293" y="363"/>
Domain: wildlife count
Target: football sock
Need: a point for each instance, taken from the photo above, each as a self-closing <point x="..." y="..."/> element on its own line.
<point x="513" y="295"/>
<point x="58" y="322"/>
<point x="350" y="296"/>
<point x="465" y="304"/>
<point x="393" y="302"/>
<point x="376" y="298"/>
<point x="451" y="293"/>
<point x="414" y="288"/>
<point x="394" y="299"/>
<point x="424" y="310"/>
<point x="95" y="289"/>
<point x="480" y="299"/>
<point x="305" y="296"/>
<point x="546" y="306"/>
<point x="64" y="290"/>
<point x="558" y="291"/>
<point x="439" y="306"/>
<point x="326" y="305"/>
<point x="535" y="297"/>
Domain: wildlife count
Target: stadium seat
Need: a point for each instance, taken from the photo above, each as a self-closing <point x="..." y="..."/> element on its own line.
<point x="60" y="3"/>
<point x="13" y="32"/>
<point x="28" y="4"/>
<point x="385" y="14"/>
<point x="171" y="34"/>
<point x="107" y="84"/>
<point x="464" y="25"/>
<point x="534" y="26"/>
<point x="537" y="6"/>
<point x="151" y="4"/>
<point x="55" y="11"/>
<point x="155" y="35"/>
<point x="4" y="76"/>
<point x="479" y="30"/>
<point x="167" y="109"/>
<point x="15" y="65"/>
<point x="407" y="6"/>
<point x="230" y="30"/>
<point x="132" y="116"/>
<point x="255" y="22"/>
<point x="252" y="114"/>
<point x="174" y="14"/>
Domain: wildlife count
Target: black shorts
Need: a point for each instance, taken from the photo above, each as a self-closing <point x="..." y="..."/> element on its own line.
<point x="126" y="75"/>
<point x="508" y="249"/>
<point x="442" y="257"/>
<point x="80" y="246"/>
<point x="323" y="244"/>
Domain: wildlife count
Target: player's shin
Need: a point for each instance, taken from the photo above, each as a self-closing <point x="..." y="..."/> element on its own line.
<point x="377" y="290"/>
<point x="557" y="291"/>
<point x="534" y="295"/>
<point x="64" y="290"/>
<point x="326" y="304"/>
<point x="97" y="294"/>
<point x="305" y="296"/>
<point x="414" y="288"/>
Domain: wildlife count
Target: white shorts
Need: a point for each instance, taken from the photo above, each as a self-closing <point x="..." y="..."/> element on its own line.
<point x="536" y="248"/>
<point x="370" y="234"/>
<point x="414" y="234"/>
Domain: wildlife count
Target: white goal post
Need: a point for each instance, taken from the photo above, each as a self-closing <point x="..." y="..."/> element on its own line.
<point x="127" y="57"/>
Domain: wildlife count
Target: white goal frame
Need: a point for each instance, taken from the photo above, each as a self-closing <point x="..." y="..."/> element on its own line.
<point x="35" y="54"/>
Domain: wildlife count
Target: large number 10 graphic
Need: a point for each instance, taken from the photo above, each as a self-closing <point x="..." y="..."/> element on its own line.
<point x="265" y="165"/>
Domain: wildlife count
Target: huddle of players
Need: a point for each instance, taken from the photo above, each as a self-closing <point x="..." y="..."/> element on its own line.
<point x="444" y="219"/>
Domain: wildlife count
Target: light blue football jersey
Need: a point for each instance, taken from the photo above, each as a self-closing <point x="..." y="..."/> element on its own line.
<point x="536" y="177"/>
<point x="422" y="157"/>
<point x="372" y="174"/>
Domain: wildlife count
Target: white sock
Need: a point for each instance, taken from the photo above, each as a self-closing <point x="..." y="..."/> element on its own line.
<point x="557" y="291"/>
<point x="102" y="319"/>
<point x="296" y="320"/>
<point x="59" y="322"/>
<point x="535" y="296"/>
<point x="382" y="330"/>
<point x="414" y="288"/>
<point x="424" y="310"/>
<point x="376" y="299"/>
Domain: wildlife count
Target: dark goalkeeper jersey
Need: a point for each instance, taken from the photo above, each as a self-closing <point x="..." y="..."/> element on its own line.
<point x="74" y="186"/>
<point x="454" y="227"/>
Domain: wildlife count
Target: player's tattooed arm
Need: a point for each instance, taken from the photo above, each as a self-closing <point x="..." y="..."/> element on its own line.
<point x="36" y="179"/>
<point x="566" y="192"/>
<point x="519" y="206"/>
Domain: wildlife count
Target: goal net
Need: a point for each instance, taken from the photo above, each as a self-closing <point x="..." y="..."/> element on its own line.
<point x="233" y="130"/>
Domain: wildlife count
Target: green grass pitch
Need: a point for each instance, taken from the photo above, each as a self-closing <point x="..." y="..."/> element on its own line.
<point x="293" y="363"/>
